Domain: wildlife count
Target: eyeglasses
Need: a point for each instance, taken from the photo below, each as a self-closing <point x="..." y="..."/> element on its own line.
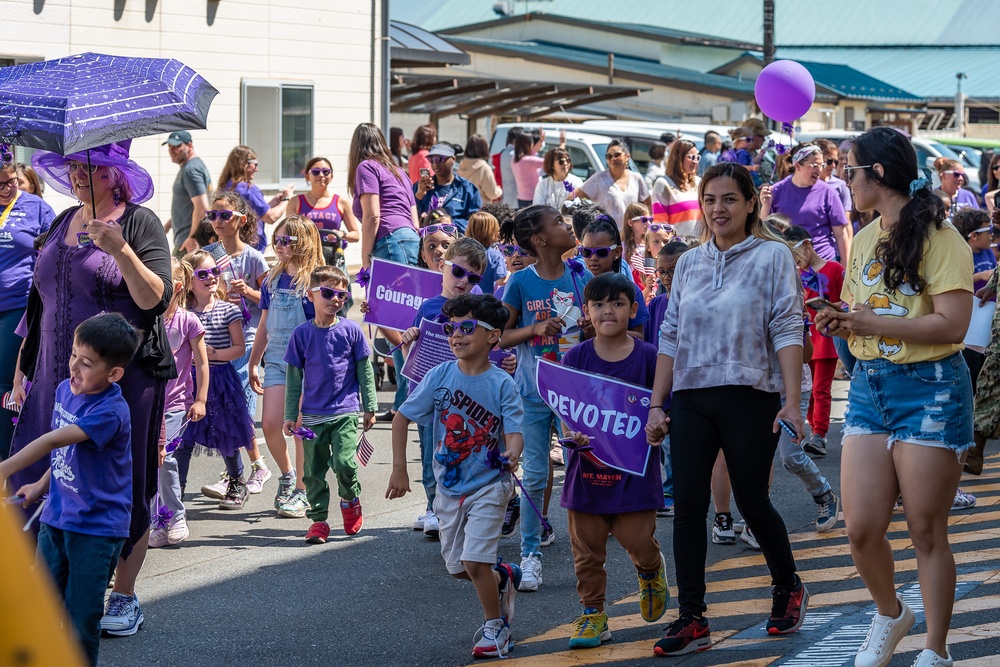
<point x="317" y="171"/>
<point x="465" y="326"/>
<point x="509" y="250"/>
<point x="694" y="158"/>
<point x="460" y="273"/>
<point x="612" y="156"/>
<point x="644" y="219"/>
<point x="437" y="159"/>
<point x="447" y="228"/>
<point x="565" y="161"/>
<point x="664" y="273"/>
<point x="329" y="293"/>
<point x="252" y="163"/>
<point x="849" y="170"/>
<point x="6" y="184"/>
<point x="661" y="227"/>
<point x="285" y="241"/>
<point x="203" y="274"/>
<point x="224" y="216"/>
<point x="811" y="167"/>
<point x="83" y="238"/>
<point x="601" y="252"/>
<point x="73" y="166"/>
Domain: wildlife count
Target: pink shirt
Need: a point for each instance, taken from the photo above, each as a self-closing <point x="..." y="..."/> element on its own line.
<point x="527" y="171"/>
<point x="182" y="330"/>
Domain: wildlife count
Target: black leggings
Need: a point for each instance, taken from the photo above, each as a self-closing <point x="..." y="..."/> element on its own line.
<point x="738" y="420"/>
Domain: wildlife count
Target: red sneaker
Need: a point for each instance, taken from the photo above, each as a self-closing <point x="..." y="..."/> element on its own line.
<point x="318" y="532"/>
<point x="685" y="635"/>
<point x="788" y="608"/>
<point x="352" y="516"/>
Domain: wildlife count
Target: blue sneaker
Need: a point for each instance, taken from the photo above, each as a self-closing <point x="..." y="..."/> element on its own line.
<point x="510" y="579"/>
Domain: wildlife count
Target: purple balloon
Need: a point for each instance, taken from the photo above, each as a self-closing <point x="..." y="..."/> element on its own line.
<point x="784" y="91"/>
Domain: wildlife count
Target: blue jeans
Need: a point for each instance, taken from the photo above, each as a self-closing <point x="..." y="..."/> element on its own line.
<point x="402" y="246"/>
<point x="539" y="420"/>
<point x="668" y="476"/>
<point x="242" y="366"/>
<point x="426" y="435"/>
<point x="168" y="480"/>
<point x="81" y="567"/>
<point x="844" y="353"/>
<point x="796" y="461"/>
<point x="10" y="345"/>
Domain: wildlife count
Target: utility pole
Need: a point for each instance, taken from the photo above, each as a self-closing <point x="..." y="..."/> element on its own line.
<point x="768" y="32"/>
<point x="960" y="105"/>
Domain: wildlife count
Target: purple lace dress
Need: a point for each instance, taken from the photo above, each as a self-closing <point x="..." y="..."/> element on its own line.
<point x="74" y="283"/>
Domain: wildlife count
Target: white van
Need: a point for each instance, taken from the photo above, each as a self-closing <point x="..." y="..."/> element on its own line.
<point x="586" y="150"/>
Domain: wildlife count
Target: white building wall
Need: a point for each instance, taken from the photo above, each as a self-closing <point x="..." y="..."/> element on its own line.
<point x="327" y="43"/>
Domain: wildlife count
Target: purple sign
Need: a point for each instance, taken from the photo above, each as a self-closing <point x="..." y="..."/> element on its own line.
<point x="396" y="292"/>
<point x="432" y="349"/>
<point x="612" y="413"/>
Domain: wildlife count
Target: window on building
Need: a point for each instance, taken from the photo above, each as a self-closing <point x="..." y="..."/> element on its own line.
<point x="278" y="126"/>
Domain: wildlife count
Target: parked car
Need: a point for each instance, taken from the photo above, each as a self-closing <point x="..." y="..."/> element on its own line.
<point x="585" y="149"/>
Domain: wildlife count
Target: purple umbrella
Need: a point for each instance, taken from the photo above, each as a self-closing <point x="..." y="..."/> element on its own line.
<point x="91" y="99"/>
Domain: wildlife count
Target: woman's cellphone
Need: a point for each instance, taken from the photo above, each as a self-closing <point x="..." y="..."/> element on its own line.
<point x="425" y="173"/>
<point x="819" y="303"/>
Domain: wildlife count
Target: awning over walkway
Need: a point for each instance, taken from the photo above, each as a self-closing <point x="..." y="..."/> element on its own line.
<point x="479" y="97"/>
<point x="410" y="46"/>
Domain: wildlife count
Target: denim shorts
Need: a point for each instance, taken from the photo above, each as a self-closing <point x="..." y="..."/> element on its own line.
<point x="924" y="403"/>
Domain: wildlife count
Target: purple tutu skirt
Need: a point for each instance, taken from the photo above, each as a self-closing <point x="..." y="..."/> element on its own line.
<point x="227" y="426"/>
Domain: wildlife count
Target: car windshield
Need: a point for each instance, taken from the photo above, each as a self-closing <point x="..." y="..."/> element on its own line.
<point x="944" y="150"/>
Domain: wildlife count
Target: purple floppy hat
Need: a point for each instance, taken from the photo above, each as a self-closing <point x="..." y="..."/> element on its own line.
<point x="54" y="168"/>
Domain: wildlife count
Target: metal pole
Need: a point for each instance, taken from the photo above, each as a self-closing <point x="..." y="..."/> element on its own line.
<point x="960" y="105"/>
<point x="386" y="69"/>
<point x="768" y="32"/>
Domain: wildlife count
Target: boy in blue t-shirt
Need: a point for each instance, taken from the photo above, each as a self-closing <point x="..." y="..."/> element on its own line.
<point x="475" y="409"/>
<point x="327" y="368"/>
<point x="86" y="518"/>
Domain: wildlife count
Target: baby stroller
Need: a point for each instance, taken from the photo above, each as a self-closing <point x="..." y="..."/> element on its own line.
<point x="382" y="359"/>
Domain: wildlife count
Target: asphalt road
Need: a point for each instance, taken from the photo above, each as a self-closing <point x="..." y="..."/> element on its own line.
<point x="246" y="589"/>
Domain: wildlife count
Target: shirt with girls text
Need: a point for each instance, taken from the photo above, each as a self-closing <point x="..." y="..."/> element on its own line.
<point x="537" y="299"/>
<point x="91" y="488"/>
<point x="946" y="266"/>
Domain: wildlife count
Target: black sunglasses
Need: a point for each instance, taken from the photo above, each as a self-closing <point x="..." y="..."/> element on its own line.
<point x="224" y="216"/>
<point x="318" y="171"/>
<point x="203" y="274"/>
<point x="460" y="273"/>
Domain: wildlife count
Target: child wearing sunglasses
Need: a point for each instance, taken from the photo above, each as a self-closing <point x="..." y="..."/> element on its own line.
<point x="600" y="505"/>
<point x="236" y="224"/>
<point x="227" y="426"/>
<point x="437" y="232"/>
<point x="475" y="412"/>
<point x="284" y="306"/>
<point x="462" y="269"/>
<point x="601" y="252"/>
<point x="485" y="228"/>
<point x="327" y="369"/>
<point x="637" y="219"/>
<point x="658" y="234"/>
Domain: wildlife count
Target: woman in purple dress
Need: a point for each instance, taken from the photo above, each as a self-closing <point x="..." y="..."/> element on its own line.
<point x="107" y="255"/>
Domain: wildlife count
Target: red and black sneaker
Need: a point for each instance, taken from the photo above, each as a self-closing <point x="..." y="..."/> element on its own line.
<point x="685" y="635"/>
<point x="351" y="511"/>
<point x="318" y="533"/>
<point x="788" y="608"/>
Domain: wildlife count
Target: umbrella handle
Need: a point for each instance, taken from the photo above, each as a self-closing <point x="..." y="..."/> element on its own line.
<point x="90" y="175"/>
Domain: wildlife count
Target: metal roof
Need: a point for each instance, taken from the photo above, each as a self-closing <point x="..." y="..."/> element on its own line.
<point x="410" y="46"/>
<point x="478" y="97"/>
<point x="630" y="67"/>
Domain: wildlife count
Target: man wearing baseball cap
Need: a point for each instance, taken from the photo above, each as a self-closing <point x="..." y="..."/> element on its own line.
<point x="190" y="196"/>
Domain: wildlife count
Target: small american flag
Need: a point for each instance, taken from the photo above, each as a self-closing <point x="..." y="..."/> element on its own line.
<point x="365" y="451"/>
<point x="223" y="262"/>
<point x="8" y="401"/>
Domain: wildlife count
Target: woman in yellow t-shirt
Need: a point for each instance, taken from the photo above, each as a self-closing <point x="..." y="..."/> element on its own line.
<point x="909" y="414"/>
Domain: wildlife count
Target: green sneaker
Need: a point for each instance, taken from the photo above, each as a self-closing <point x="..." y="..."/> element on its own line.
<point x="591" y="629"/>
<point x="286" y="486"/>
<point x="296" y="506"/>
<point x="653" y="593"/>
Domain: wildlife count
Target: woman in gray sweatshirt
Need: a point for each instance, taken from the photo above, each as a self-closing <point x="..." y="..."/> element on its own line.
<point x="730" y="341"/>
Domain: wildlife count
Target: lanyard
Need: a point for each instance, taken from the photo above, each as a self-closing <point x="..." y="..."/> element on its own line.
<point x="6" y="211"/>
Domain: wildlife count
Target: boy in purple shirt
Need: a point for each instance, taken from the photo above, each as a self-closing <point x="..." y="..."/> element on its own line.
<point x="622" y="505"/>
<point x="328" y="366"/>
<point x="86" y="518"/>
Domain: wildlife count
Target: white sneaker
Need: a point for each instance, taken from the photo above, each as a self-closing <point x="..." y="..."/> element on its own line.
<point x="217" y="490"/>
<point x="929" y="658"/>
<point x="259" y="473"/>
<point x="431" y="525"/>
<point x="531" y="573"/>
<point x="418" y="523"/>
<point x="122" y="616"/>
<point x="157" y="538"/>
<point x="883" y="636"/>
<point x="748" y="538"/>
<point x="178" y="531"/>
<point x="492" y="639"/>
